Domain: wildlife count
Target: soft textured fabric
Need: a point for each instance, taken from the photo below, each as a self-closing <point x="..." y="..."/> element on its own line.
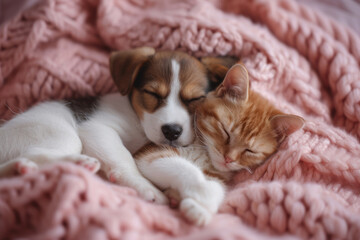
<point x="299" y="59"/>
<point x="344" y="11"/>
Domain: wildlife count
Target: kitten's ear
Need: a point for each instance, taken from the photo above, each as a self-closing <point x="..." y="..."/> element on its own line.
<point x="217" y="68"/>
<point x="124" y="66"/>
<point x="286" y="124"/>
<point x="236" y="83"/>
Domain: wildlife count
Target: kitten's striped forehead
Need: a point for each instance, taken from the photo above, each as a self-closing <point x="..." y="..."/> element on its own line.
<point x="252" y="123"/>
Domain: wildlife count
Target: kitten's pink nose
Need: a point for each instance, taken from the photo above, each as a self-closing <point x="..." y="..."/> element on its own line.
<point x="228" y="159"/>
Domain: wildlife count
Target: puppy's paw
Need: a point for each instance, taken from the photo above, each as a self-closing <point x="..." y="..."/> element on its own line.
<point x="144" y="188"/>
<point x="24" y="166"/>
<point x="207" y="193"/>
<point x="90" y="163"/>
<point x="194" y="212"/>
<point x="152" y="194"/>
<point x="173" y="197"/>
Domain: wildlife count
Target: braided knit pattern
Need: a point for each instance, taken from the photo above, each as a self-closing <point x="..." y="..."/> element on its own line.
<point x="302" y="61"/>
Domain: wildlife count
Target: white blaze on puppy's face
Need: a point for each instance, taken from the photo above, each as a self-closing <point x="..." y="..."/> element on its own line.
<point x="172" y="113"/>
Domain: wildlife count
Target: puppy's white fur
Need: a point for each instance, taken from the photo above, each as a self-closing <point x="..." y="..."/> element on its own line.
<point x="49" y="132"/>
<point x="44" y="134"/>
<point x="112" y="135"/>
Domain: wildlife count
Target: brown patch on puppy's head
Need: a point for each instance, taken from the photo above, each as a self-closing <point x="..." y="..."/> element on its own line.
<point x="124" y="66"/>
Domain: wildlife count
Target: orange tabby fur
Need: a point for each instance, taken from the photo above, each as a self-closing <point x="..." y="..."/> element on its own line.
<point x="240" y="128"/>
<point x="247" y="123"/>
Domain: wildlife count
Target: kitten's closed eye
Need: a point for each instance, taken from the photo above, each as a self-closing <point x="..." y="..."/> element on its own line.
<point x="250" y="151"/>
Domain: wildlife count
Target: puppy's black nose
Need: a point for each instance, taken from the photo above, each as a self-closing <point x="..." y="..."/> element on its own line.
<point x="171" y="131"/>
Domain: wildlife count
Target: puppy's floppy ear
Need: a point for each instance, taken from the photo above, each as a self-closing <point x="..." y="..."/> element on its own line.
<point x="124" y="66"/>
<point x="217" y="68"/>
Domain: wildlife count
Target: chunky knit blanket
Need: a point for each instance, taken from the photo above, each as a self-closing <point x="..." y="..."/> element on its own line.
<point x="299" y="59"/>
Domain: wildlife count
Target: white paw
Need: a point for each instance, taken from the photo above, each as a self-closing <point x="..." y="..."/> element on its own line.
<point x="194" y="212"/>
<point x="90" y="163"/>
<point x="208" y="193"/>
<point x="173" y="197"/>
<point x="152" y="194"/>
<point x="24" y="166"/>
<point x="145" y="189"/>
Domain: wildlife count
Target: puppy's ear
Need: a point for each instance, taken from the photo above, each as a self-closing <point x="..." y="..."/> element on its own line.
<point x="217" y="68"/>
<point x="124" y="66"/>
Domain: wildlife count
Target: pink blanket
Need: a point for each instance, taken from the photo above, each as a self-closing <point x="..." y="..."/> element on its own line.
<point x="299" y="59"/>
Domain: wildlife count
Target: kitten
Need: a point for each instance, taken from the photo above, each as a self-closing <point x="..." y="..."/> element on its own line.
<point x="237" y="129"/>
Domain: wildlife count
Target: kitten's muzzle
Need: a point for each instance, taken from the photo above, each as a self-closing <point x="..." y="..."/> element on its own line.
<point x="171" y="131"/>
<point x="228" y="159"/>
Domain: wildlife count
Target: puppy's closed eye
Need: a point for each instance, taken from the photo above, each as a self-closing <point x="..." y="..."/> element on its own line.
<point x="151" y="100"/>
<point x="152" y="93"/>
<point x="196" y="99"/>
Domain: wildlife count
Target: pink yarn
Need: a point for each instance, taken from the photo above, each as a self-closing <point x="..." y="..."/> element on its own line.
<point x="299" y="59"/>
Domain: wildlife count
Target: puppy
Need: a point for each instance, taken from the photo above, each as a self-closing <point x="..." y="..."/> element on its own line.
<point x="159" y="92"/>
